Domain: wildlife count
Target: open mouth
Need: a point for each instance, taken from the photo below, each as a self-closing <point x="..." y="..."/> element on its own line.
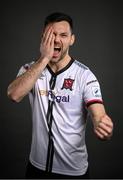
<point x="56" y="51"/>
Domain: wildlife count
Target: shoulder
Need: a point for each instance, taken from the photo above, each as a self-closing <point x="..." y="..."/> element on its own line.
<point x="80" y="65"/>
<point x="84" y="71"/>
<point x="81" y="68"/>
<point x="28" y="65"/>
<point x="25" y="67"/>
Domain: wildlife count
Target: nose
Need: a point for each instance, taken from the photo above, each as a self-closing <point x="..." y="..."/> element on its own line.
<point x="57" y="39"/>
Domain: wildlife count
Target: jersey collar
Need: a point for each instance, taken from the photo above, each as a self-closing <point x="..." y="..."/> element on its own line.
<point x="62" y="70"/>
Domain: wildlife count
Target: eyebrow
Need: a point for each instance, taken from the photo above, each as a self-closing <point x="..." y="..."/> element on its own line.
<point x="63" y="33"/>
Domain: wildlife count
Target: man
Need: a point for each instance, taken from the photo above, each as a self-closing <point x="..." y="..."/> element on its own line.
<point x="61" y="91"/>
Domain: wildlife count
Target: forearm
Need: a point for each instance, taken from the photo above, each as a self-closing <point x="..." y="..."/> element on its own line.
<point x="25" y="82"/>
<point x="103" y="125"/>
<point x="97" y="111"/>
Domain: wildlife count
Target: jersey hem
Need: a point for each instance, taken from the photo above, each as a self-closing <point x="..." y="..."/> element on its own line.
<point x="59" y="171"/>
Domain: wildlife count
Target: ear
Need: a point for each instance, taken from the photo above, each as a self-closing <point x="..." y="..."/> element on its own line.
<point x="72" y="39"/>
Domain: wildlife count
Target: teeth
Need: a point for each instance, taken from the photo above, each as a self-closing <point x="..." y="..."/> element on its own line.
<point x="57" y="48"/>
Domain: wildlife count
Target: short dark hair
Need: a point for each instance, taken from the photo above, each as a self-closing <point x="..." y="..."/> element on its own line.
<point x="57" y="17"/>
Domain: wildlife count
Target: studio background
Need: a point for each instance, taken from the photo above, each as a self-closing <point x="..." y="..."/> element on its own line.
<point x="98" y="28"/>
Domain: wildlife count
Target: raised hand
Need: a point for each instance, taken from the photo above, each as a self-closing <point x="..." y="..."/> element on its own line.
<point x="47" y="43"/>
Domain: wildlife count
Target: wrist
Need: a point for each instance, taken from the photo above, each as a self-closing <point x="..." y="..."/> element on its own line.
<point x="44" y="60"/>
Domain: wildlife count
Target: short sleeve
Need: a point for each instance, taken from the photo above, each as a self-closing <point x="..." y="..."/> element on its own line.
<point x="92" y="92"/>
<point x="24" y="68"/>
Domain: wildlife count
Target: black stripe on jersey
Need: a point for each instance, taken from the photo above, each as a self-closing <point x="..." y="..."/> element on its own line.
<point x="50" y="154"/>
<point x="50" y="151"/>
<point x="94" y="102"/>
<point x="52" y="82"/>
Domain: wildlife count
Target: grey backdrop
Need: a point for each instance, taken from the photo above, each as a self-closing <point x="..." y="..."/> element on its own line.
<point x="98" y="28"/>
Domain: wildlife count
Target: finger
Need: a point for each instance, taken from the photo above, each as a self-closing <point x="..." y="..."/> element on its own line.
<point x="45" y="30"/>
<point x="52" y="40"/>
<point x="99" y="134"/>
<point x="102" y="131"/>
<point x="104" y="127"/>
<point x="102" y="136"/>
<point x="47" y="34"/>
<point x="107" y="121"/>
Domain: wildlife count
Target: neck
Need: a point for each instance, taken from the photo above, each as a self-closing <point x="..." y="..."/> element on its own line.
<point x="57" y="66"/>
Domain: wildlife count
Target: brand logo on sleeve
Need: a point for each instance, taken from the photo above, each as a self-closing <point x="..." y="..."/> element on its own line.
<point x="96" y="91"/>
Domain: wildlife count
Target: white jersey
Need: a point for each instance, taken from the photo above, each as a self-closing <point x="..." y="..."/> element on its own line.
<point x="75" y="88"/>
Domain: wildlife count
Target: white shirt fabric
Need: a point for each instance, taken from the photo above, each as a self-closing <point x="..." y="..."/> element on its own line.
<point x="75" y="89"/>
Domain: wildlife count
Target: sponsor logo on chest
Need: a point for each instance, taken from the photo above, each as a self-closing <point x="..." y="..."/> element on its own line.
<point x="59" y="95"/>
<point x="53" y="96"/>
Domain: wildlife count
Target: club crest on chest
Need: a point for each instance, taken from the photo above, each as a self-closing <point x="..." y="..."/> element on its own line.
<point x="68" y="84"/>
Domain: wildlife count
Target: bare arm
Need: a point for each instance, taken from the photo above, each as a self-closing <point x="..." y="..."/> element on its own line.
<point x="24" y="83"/>
<point x="103" y="125"/>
